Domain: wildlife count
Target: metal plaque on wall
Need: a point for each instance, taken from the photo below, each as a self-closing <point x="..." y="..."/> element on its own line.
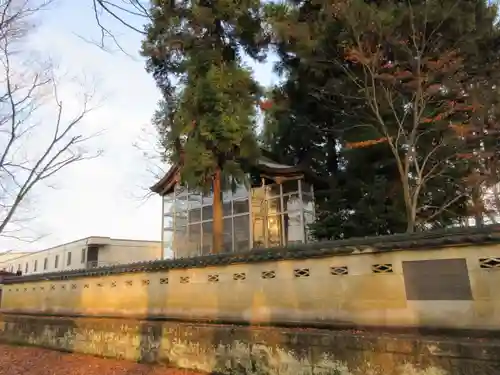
<point x="437" y="280"/>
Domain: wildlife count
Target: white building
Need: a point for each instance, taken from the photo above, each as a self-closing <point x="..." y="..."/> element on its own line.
<point x="11" y="254"/>
<point x="86" y="253"/>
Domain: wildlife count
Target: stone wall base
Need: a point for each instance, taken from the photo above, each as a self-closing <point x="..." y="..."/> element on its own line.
<point x="244" y="350"/>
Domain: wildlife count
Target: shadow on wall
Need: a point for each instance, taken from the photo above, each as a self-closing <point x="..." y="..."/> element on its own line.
<point x="151" y="332"/>
<point x="27" y="330"/>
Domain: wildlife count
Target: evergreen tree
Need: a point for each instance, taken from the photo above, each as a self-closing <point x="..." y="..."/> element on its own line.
<point x="395" y="80"/>
<point x="206" y="120"/>
<point x="356" y="192"/>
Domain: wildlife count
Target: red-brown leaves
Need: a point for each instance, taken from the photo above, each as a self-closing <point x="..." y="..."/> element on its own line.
<point x="367" y="143"/>
<point x="462" y="130"/>
<point x="429" y="120"/>
<point x="448" y="61"/>
<point x="34" y="361"/>
<point x="355" y="56"/>
<point x="468" y="155"/>
<point x="266" y="105"/>
<point x="434" y="89"/>
<point x="403" y="74"/>
<point x="386" y="77"/>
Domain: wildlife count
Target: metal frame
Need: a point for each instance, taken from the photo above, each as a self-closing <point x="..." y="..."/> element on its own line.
<point x="280" y="215"/>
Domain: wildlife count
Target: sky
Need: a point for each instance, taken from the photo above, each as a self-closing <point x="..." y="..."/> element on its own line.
<point x="103" y="196"/>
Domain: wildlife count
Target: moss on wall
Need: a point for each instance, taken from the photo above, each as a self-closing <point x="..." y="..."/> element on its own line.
<point x="238" y="350"/>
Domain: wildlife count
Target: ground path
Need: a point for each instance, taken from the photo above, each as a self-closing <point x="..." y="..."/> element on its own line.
<point x="16" y="360"/>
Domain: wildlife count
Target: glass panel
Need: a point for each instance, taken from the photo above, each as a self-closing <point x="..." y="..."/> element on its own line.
<point x="305" y="187"/>
<point x="294" y="232"/>
<point x="308" y="202"/>
<point x="258" y="230"/>
<point x="207" y="213"/>
<point x="274" y="230"/>
<point x="181" y="206"/>
<point x="168" y="243"/>
<point x="226" y="209"/>
<point x="194" y="204"/>
<point x="195" y="212"/>
<point x="168" y="204"/>
<point x="169" y="209"/>
<point x="273" y="190"/>
<point x="290" y="186"/>
<point x="207" y="238"/>
<point x="241" y="232"/>
<point x="240" y="206"/>
<point x="179" y="242"/>
<point x="228" y="235"/>
<point x="240" y="192"/>
<point x="227" y="195"/>
<point x="194" y="240"/>
<point x="308" y="220"/>
<point x="291" y="202"/>
<point x="274" y="205"/>
<point x="208" y="199"/>
<point x="180" y="191"/>
<point x="168" y="222"/>
<point x="180" y="219"/>
<point x="258" y="202"/>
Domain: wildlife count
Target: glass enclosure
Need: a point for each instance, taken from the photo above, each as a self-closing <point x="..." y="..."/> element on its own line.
<point x="266" y="216"/>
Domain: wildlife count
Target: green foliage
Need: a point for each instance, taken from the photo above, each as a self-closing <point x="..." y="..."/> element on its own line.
<point x="206" y="120"/>
<point x="328" y="101"/>
<point x="379" y="103"/>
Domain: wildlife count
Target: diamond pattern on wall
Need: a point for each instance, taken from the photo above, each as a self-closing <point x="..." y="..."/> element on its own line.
<point x="268" y="274"/>
<point x="382" y="268"/>
<point x="239" y="276"/>
<point x="301" y="272"/>
<point x="184" y="279"/>
<point x="145" y="282"/>
<point x="339" y="271"/>
<point x="128" y="282"/>
<point x="213" y="278"/>
<point x="489" y="263"/>
<point x="164" y="280"/>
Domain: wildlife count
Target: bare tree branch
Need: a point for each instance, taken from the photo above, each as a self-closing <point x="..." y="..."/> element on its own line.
<point x="151" y="151"/>
<point x="33" y="146"/>
<point x="413" y="83"/>
<point x="130" y="15"/>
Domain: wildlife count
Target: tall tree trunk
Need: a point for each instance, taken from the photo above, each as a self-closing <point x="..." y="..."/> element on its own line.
<point x="218" y="223"/>
<point x="410" y="226"/>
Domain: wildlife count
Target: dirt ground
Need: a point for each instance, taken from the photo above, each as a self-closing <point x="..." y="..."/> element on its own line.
<point x="15" y="360"/>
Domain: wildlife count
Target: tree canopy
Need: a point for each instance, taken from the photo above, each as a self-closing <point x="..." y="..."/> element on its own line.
<point x="387" y="95"/>
<point x="391" y="107"/>
<point x="207" y="118"/>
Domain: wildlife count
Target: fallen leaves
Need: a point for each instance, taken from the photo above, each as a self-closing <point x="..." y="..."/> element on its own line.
<point x="15" y="360"/>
